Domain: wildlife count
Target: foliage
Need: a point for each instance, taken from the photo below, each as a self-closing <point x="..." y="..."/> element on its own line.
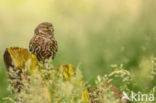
<point x="91" y="34"/>
<point x="60" y="84"/>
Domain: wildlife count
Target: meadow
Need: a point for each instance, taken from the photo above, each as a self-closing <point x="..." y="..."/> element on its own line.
<point x="98" y="36"/>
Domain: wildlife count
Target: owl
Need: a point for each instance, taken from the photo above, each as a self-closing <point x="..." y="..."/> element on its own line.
<point x="43" y="43"/>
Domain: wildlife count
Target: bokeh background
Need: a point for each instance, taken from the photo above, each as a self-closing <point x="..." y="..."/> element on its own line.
<point x="91" y="34"/>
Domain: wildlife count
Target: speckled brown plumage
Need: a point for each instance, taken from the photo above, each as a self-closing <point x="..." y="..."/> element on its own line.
<point x="43" y="44"/>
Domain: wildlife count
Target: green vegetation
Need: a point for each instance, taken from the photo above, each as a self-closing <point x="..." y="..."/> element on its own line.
<point x="97" y="36"/>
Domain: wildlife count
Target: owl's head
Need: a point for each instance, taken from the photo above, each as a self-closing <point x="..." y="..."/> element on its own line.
<point x="44" y="28"/>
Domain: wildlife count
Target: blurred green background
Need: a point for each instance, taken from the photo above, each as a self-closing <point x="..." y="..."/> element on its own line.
<point x="91" y="34"/>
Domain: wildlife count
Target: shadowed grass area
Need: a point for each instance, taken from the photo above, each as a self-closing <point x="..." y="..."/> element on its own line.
<point x="3" y="82"/>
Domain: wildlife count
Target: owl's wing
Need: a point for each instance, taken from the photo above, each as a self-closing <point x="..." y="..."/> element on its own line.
<point x="53" y="47"/>
<point x="36" y="46"/>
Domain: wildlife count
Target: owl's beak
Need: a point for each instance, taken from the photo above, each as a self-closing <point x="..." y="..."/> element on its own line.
<point x="51" y="29"/>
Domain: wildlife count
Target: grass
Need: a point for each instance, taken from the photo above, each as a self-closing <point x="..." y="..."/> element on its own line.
<point x="64" y="84"/>
<point x="93" y="35"/>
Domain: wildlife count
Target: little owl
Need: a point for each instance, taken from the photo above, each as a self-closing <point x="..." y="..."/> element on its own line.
<point x="43" y="44"/>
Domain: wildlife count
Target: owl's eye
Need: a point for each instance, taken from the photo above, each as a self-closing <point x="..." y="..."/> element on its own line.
<point x="45" y="28"/>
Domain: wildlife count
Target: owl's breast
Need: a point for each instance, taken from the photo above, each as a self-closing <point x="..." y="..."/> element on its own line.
<point x="43" y="47"/>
